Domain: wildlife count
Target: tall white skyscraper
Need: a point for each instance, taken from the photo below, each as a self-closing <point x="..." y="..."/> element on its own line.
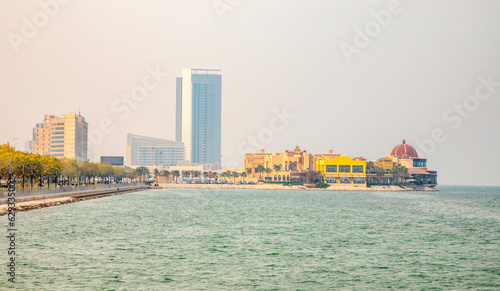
<point x="198" y="119"/>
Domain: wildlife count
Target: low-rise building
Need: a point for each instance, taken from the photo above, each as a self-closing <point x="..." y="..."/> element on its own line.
<point x="343" y="170"/>
<point x="403" y="165"/>
<point x="284" y="166"/>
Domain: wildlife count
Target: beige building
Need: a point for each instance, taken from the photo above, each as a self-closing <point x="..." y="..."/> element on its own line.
<point x="61" y="136"/>
<point x="280" y="166"/>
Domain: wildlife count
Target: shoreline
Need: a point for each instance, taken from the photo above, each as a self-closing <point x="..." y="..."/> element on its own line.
<point x="46" y="201"/>
<point x="281" y="187"/>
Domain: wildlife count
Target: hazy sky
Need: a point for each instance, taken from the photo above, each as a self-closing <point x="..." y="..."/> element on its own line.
<point x="357" y="76"/>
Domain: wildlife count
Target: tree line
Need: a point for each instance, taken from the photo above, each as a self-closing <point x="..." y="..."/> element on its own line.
<point x="32" y="170"/>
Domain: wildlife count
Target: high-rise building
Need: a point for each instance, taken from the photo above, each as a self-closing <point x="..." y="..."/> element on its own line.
<point x="61" y="136"/>
<point x="149" y="151"/>
<point x="198" y="115"/>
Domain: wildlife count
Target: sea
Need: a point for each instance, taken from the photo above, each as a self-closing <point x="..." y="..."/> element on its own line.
<point x="228" y="239"/>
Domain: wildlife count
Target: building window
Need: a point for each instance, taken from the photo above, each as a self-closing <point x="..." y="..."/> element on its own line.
<point x="331" y="180"/>
<point x="331" y="168"/>
<point x="344" y="169"/>
<point x="344" y="180"/>
<point x="419" y="163"/>
<point x="357" y="169"/>
<point x="358" y="180"/>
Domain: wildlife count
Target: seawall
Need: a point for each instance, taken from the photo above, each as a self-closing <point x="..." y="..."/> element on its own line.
<point x="40" y="201"/>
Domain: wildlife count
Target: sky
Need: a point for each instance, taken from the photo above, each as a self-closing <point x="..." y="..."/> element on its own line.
<point x="355" y="77"/>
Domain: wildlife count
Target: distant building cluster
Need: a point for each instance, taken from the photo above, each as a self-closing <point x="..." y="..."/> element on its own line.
<point x="197" y="142"/>
<point x="402" y="166"/>
<point x="198" y="127"/>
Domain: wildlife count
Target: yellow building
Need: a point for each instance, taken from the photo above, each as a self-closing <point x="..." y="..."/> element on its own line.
<point x="61" y="136"/>
<point x="343" y="170"/>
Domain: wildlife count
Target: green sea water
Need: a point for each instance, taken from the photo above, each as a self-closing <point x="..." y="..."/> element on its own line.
<point x="204" y="239"/>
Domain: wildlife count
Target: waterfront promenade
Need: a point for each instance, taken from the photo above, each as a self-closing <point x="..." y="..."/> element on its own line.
<point x="27" y="202"/>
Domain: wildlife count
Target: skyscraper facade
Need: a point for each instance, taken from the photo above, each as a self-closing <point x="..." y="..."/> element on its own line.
<point x="61" y="136"/>
<point x="198" y="115"/>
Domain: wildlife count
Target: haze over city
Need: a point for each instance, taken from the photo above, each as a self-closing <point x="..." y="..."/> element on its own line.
<point x="299" y="62"/>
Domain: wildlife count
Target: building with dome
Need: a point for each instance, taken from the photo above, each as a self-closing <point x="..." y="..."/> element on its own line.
<point x="402" y="166"/>
<point x="402" y="155"/>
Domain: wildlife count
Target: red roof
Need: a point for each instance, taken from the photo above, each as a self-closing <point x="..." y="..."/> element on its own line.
<point x="404" y="151"/>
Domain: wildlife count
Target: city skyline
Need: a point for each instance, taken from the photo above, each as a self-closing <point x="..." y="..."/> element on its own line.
<point x="301" y="73"/>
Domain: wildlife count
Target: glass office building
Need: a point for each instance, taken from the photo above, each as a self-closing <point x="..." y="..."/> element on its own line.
<point x="149" y="151"/>
<point x="198" y="115"/>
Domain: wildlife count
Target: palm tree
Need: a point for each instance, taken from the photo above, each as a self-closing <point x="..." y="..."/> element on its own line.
<point x="404" y="172"/>
<point x="260" y="169"/>
<point x="176" y="174"/>
<point x="369" y="166"/>
<point x="243" y="175"/>
<point x="268" y="170"/>
<point x="156" y="175"/>
<point x="320" y="177"/>
<point x="165" y="173"/>
<point x="235" y="175"/>
<point x="418" y="179"/>
<point x="142" y="171"/>
<point x="277" y="168"/>
<point x="395" y="173"/>
<point x="381" y="174"/>
<point x="205" y="174"/>
<point x="185" y="174"/>
<point x="229" y="174"/>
